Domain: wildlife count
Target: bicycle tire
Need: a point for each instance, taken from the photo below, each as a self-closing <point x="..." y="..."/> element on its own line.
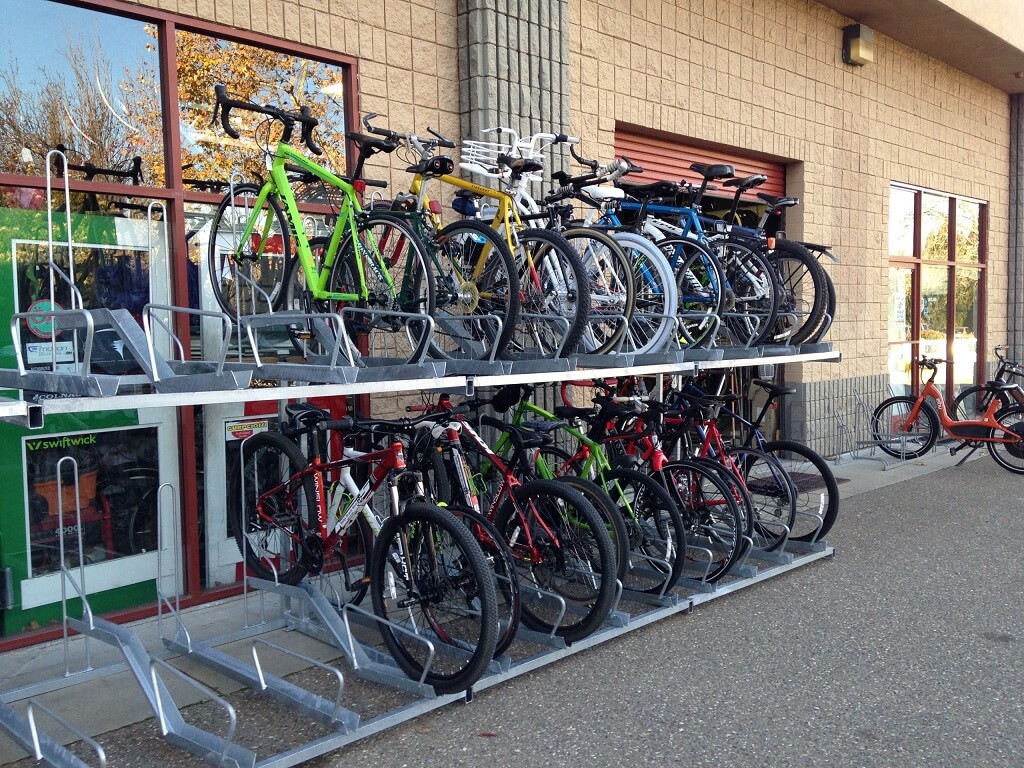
<point x="254" y="286"/>
<point x="499" y="557"/>
<point x="772" y="496"/>
<point x="888" y="433"/>
<point x="654" y="310"/>
<point x="576" y="563"/>
<point x="701" y="286"/>
<point x="553" y="284"/>
<point x="831" y="309"/>
<point x="307" y="335"/>
<point x="805" y="292"/>
<point x="973" y="402"/>
<point x="379" y="334"/>
<point x="755" y="293"/>
<point x="710" y="515"/>
<point x="656" y="535"/>
<point x="817" y="492"/>
<point x="609" y="513"/>
<point x="271" y="542"/>
<point x="611" y="285"/>
<point x="458" y="251"/>
<point x="430" y="578"/>
<point x="1009" y="456"/>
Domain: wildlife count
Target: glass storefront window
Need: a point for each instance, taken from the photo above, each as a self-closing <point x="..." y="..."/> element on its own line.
<point x="83" y="80"/>
<point x="946" y="322"/>
<point x="261" y="76"/>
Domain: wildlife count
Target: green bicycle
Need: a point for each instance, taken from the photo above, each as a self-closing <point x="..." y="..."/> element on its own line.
<point x="372" y="271"/>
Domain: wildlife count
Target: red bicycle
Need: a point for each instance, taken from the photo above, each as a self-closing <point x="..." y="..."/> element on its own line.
<point x="426" y="574"/>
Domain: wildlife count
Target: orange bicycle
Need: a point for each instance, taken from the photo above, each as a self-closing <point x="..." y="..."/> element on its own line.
<point x="907" y="427"/>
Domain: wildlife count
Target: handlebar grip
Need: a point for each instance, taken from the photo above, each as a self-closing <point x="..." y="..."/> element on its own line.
<point x="308" y="124"/>
<point x="344" y="424"/>
<point x="223" y="104"/>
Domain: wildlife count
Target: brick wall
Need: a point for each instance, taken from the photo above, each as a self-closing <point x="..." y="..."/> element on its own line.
<point x="767" y="76"/>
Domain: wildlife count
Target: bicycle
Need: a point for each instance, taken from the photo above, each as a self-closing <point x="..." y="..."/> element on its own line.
<point x="564" y="555"/>
<point x="373" y="264"/>
<point x="907" y="427"/>
<point x="652" y="541"/>
<point x="553" y="295"/>
<point x="817" y="492"/>
<point x="974" y="400"/>
<point x="427" y="575"/>
<point x="474" y="269"/>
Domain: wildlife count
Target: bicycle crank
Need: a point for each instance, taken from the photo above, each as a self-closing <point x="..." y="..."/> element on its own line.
<point x="313" y="553"/>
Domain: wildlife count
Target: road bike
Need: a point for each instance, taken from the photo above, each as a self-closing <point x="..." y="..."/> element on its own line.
<point x="427" y="575"/>
<point x="372" y="269"/>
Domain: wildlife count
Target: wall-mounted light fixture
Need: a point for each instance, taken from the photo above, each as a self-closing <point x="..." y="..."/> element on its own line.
<point x="858" y="44"/>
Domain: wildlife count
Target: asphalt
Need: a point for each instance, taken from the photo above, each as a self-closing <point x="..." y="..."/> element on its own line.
<point x="901" y="650"/>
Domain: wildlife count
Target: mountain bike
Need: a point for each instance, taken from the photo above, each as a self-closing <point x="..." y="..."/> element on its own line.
<point x="907" y="427"/>
<point x="370" y="264"/>
<point x="426" y="573"/>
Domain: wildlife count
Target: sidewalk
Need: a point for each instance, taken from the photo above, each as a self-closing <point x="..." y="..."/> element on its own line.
<point x="869" y="491"/>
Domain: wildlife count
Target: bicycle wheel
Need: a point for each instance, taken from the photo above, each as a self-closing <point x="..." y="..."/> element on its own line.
<point x="476" y="277"/>
<point x="398" y="282"/>
<point x="829" y="315"/>
<point x="499" y="557"/>
<point x="1009" y="455"/>
<point x="772" y="496"/>
<point x="817" y="492"/>
<point x="737" y="490"/>
<point x="555" y="298"/>
<point x="656" y="536"/>
<point x="308" y="335"/>
<point x="701" y="285"/>
<point x="430" y="581"/>
<point x="611" y="285"/>
<point x="805" y="292"/>
<point x="901" y="440"/>
<point x="710" y="515"/>
<point x="247" y="277"/>
<point x="564" y="558"/>
<point x="346" y="575"/>
<point x="609" y="514"/>
<point x="972" y="403"/>
<point x="754" y="289"/>
<point x="654" y="311"/>
<point x="271" y="514"/>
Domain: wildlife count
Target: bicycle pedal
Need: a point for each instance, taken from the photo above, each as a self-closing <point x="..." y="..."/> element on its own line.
<point x="359" y="583"/>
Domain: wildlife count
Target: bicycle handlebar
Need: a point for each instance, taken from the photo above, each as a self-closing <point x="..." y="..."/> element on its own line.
<point x="223" y="105"/>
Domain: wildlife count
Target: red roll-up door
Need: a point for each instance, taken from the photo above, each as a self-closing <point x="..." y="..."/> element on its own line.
<point x="663" y="157"/>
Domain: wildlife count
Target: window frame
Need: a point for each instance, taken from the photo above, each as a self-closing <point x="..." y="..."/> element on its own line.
<point x="916" y="263"/>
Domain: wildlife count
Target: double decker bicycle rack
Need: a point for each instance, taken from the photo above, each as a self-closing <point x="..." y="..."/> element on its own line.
<point x="290" y="621"/>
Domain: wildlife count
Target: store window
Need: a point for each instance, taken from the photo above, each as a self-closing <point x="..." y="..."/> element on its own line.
<point x="90" y="77"/>
<point x="936" y="285"/>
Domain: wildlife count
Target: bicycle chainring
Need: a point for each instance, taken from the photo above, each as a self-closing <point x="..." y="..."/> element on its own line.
<point x="313" y="553"/>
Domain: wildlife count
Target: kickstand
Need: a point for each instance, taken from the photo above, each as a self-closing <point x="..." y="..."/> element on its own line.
<point x="953" y="451"/>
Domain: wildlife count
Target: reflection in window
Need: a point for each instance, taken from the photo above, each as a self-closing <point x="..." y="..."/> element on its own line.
<point x="116" y="500"/>
<point x="901" y="222"/>
<point x="934" y="227"/>
<point x="264" y="77"/>
<point x="968" y="245"/>
<point x="83" y="80"/>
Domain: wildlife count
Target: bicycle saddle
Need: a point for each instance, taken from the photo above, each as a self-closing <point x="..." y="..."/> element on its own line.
<point x="653" y="190"/>
<point x="570" y="412"/>
<point x="774" y="389"/>
<point x="441" y="165"/>
<point x="521" y="164"/>
<point x="778" y="202"/>
<point x="305" y="414"/>
<point x="371" y="142"/>
<point x="521" y="438"/>
<point x="715" y="171"/>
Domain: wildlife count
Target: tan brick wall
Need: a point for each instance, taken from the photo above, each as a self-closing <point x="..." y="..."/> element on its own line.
<point x="767" y="76"/>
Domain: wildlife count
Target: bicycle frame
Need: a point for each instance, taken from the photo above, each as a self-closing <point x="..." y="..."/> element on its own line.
<point x="316" y="277"/>
<point x="971" y="430"/>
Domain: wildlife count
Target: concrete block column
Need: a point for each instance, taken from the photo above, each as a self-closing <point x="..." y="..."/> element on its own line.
<point x="514" y="66"/>
<point x="1015" y="282"/>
